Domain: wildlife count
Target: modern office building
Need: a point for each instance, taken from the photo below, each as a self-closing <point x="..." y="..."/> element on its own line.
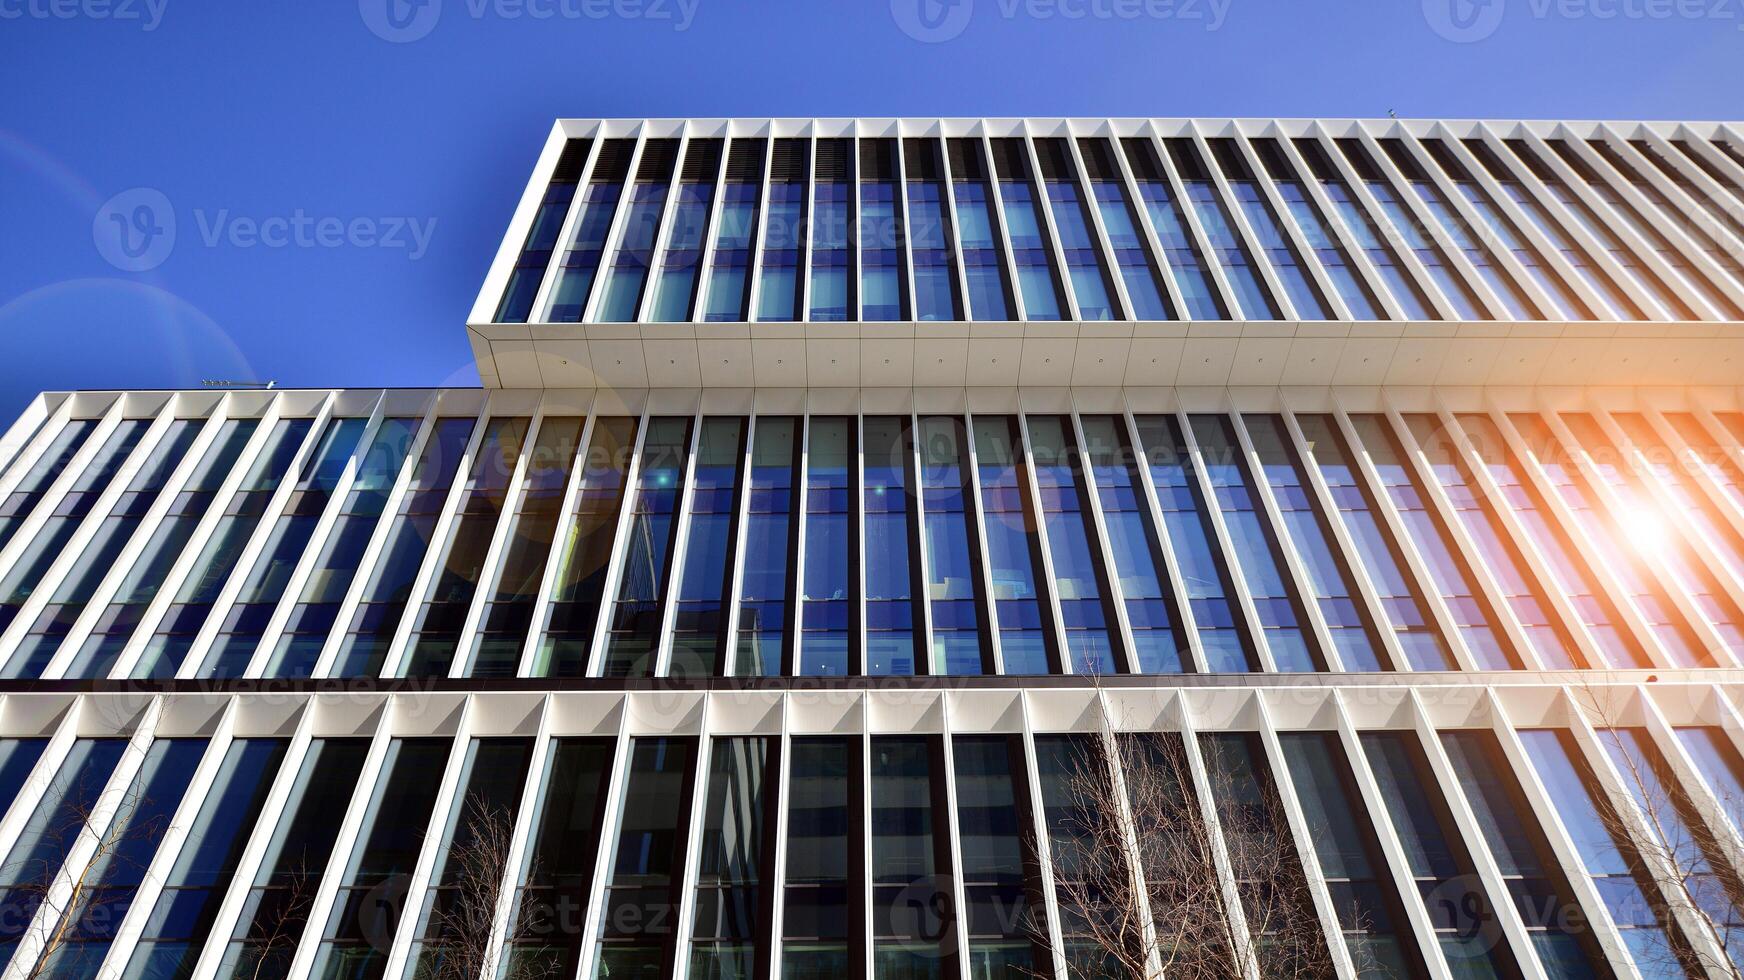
<point x="837" y="487"/>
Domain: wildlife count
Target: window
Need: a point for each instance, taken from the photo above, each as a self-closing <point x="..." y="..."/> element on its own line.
<point x="1326" y="243"/>
<point x="1617" y="305"/>
<point x="1132" y="253"/>
<point x="984" y="271"/>
<point x="1277" y="602"/>
<point x="929" y="229"/>
<point x="556" y="876"/>
<point x="1424" y="647"/>
<point x="108" y="883"/>
<point x="1705" y="236"/>
<point x="247" y="620"/>
<point x="529" y="270"/>
<point x="305" y="630"/>
<point x="832" y="221"/>
<point x="204" y="583"/>
<point x="1192" y="278"/>
<point x="913" y="925"/>
<point x="506" y="615"/>
<point x="676" y="289"/>
<point x="363" y="651"/>
<point x="729" y="288"/>
<point x="1496" y="549"/>
<point x="771" y="541"/>
<point x="1274" y="241"/>
<point x="1085" y="264"/>
<point x="1544" y="450"/>
<point x="1347" y="619"/>
<point x="893" y="610"/>
<point x="50" y="539"/>
<point x="1515" y="839"/>
<point x="784" y="233"/>
<point x="1001" y="871"/>
<point x="579" y="589"/>
<point x="47" y="838"/>
<point x="635" y="624"/>
<point x="36" y="482"/>
<point x="1609" y="859"/>
<point x="953" y="555"/>
<point x="823" y="905"/>
<point x="1665" y="303"/>
<point x="1368" y="907"/>
<point x="699" y="624"/>
<point x="1500" y="229"/>
<point x="829" y="618"/>
<point x="475" y="836"/>
<point x="883" y="280"/>
<point x="1221" y="625"/>
<point x="593" y="222"/>
<point x="94" y="563"/>
<point x="1020" y="608"/>
<point x="101" y="649"/>
<point x="1031" y="248"/>
<point x="282" y="894"/>
<point x="387" y="847"/>
<point x="1460" y="911"/>
<point x="1568" y="571"/>
<point x="1151" y="610"/>
<point x="1448" y="573"/>
<point x="188" y="907"/>
<point x="731" y="898"/>
<point x="1245" y="279"/>
<point x="627" y="276"/>
<point x="1474" y="243"/>
<point x="1086" y="603"/>
<point x="435" y="640"/>
<point x="1668" y="552"/>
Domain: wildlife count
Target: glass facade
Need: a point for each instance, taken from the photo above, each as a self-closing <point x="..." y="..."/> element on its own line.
<point x="1304" y="642"/>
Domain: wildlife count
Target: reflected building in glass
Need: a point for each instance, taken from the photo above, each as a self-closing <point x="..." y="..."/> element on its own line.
<point x="838" y="489"/>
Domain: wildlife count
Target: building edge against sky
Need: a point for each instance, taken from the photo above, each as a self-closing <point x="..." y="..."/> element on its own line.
<point x="835" y="481"/>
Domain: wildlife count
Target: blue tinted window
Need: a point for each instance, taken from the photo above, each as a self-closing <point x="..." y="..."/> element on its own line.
<point x="952" y="558"/>
<point x="699" y="624"/>
<point x="635" y="625"/>
<point x="1205" y="574"/>
<point x="1013" y="549"/>
<point x="770" y="526"/>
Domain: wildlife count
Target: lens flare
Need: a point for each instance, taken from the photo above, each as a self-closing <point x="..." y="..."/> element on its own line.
<point x="1647" y="531"/>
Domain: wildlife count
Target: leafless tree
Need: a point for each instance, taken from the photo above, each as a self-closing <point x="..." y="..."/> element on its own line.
<point x="274" y="935"/>
<point x="1687" y="867"/>
<point x="1140" y="862"/>
<point x="59" y="892"/>
<point x="462" y="941"/>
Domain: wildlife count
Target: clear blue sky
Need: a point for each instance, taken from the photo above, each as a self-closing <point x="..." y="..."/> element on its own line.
<point x="238" y="112"/>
